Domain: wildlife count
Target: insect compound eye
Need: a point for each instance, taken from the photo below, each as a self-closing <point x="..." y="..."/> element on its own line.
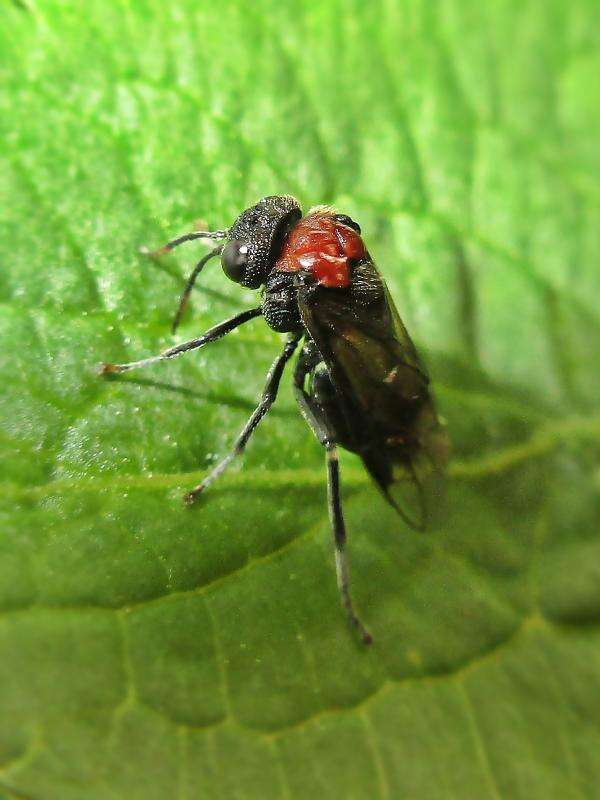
<point x="234" y="260"/>
<point x="344" y="219"/>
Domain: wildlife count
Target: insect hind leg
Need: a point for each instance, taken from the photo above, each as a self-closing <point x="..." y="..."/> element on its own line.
<point x="315" y="417"/>
<point x="336" y="518"/>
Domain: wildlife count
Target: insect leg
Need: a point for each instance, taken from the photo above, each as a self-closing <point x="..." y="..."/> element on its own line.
<point x="268" y="398"/>
<point x="190" y="285"/>
<point x="307" y="361"/>
<point x="211" y="335"/>
<point x="339" y="535"/>
<point x="313" y="414"/>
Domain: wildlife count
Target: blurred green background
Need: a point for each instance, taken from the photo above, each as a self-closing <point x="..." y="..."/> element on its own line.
<point x="149" y="651"/>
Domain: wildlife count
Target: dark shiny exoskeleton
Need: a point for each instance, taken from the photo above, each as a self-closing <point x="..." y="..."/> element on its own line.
<point x="358" y="378"/>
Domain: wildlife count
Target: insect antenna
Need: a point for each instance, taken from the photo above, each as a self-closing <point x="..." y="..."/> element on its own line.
<point x="185" y="295"/>
<point x="166" y="248"/>
<point x="187" y="237"/>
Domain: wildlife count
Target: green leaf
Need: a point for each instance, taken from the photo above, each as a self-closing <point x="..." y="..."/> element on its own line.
<point x="152" y="651"/>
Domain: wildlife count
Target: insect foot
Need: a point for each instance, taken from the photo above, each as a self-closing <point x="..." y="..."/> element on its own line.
<point x="108" y="369"/>
<point x="189" y="498"/>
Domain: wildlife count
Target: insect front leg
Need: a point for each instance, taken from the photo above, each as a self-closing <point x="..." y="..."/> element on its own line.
<point x="321" y="427"/>
<point x="220" y="330"/>
<point x="268" y="398"/>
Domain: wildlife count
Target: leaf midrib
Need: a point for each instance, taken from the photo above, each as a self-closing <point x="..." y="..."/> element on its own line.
<point x="543" y="441"/>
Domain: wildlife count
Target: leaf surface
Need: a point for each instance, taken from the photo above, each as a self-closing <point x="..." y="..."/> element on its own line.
<point x="152" y="651"/>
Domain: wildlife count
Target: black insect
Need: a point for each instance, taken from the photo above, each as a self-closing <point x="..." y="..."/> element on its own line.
<point x="358" y="380"/>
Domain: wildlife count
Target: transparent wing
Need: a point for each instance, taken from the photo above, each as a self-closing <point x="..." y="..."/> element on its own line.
<point x="382" y="388"/>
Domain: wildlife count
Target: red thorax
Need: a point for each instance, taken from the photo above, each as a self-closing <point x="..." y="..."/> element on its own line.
<point x="322" y="246"/>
